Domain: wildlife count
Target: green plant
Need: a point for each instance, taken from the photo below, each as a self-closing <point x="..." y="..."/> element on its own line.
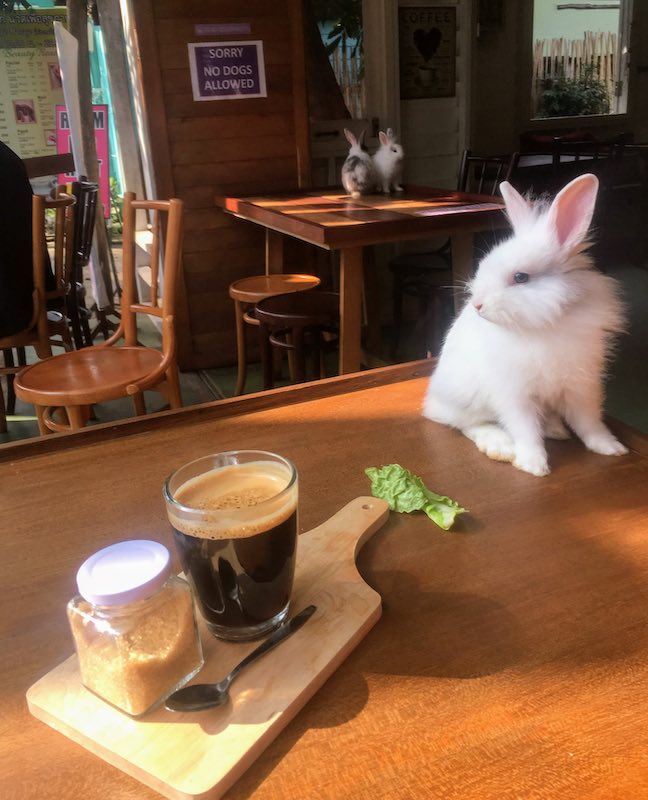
<point x="574" y="97"/>
<point x="116" y="205"/>
<point x="346" y="16"/>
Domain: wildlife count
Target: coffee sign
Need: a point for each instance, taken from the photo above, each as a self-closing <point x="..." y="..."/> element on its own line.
<point x="227" y="70"/>
<point x="427" y="51"/>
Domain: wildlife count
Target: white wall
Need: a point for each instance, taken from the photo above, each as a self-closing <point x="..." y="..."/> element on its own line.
<point x="551" y="23"/>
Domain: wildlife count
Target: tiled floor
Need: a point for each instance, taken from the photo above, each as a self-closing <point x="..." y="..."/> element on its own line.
<point x="627" y="391"/>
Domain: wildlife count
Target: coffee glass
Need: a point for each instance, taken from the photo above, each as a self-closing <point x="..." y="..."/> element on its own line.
<point x="234" y="520"/>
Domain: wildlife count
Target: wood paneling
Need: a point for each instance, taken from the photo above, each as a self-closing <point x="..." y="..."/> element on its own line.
<point x="224" y="173"/>
<point x="226" y="127"/>
<point x="223" y="147"/>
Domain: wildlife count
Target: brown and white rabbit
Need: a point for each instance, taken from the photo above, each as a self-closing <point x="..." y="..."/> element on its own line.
<point x="388" y="162"/>
<point x="358" y="175"/>
<point x="529" y="349"/>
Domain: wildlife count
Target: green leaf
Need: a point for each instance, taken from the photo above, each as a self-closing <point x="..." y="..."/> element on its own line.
<point x="405" y="492"/>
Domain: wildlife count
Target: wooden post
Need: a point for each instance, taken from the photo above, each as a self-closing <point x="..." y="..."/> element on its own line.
<point x="113" y="33"/>
<point x="78" y="27"/>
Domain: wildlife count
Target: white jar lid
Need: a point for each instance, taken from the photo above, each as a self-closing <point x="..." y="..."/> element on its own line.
<point x="124" y="572"/>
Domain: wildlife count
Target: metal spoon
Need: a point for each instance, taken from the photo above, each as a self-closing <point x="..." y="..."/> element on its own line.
<point x="207" y="695"/>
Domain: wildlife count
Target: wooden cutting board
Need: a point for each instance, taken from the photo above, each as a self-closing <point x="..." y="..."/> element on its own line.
<point x="201" y="754"/>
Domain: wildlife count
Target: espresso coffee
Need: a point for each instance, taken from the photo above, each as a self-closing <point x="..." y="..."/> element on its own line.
<point x="238" y="547"/>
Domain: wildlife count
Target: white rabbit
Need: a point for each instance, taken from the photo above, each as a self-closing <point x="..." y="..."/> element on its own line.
<point x="388" y="162"/>
<point x="529" y="348"/>
<point x="358" y="176"/>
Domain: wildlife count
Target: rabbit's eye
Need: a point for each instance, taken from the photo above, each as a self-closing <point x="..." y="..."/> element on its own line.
<point x="521" y="277"/>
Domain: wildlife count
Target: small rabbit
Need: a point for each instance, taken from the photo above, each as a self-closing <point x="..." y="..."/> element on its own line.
<point x="388" y="162"/>
<point x="529" y="348"/>
<point x="358" y="176"/>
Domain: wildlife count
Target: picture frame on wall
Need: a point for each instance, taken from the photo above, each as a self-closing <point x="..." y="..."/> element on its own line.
<point x="427" y="44"/>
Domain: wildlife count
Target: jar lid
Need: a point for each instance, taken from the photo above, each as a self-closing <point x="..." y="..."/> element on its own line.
<point x="124" y="572"/>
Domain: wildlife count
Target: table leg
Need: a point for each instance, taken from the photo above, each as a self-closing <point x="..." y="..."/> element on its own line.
<point x="371" y="302"/>
<point x="350" y="308"/>
<point x="462" y="266"/>
<point x="274" y="252"/>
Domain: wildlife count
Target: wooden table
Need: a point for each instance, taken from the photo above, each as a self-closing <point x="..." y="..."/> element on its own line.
<point x="511" y="660"/>
<point x="332" y="220"/>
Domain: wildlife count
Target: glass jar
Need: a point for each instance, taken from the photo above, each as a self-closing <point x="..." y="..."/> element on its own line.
<point x="134" y="626"/>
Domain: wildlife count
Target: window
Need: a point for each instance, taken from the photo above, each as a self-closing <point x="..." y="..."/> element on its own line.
<point x="580" y="57"/>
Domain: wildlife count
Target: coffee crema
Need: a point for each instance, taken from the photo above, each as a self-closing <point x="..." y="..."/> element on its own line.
<point x="235" y="488"/>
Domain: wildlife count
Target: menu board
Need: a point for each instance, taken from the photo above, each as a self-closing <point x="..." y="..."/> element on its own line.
<point x="30" y="80"/>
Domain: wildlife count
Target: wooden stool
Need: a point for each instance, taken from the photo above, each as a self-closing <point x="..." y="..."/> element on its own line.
<point x="246" y="293"/>
<point x="297" y="324"/>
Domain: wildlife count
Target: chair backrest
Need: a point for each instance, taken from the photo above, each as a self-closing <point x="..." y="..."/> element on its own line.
<point x="163" y="245"/>
<point x="61" y="228"/>
<point x="85" y="193"/>
<point x="483" y="174"/>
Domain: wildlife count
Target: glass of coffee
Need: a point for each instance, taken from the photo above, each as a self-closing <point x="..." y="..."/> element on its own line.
<point x="234" y="519"/>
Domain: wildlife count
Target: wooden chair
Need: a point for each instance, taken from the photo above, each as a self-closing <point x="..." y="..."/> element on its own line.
<point x="427" y="276"/>
<point x="245" y="293"/>
<point x="77" y="380"/>
<point x="85" y="193"/>
<point x="298" y="324"/>
<point x="59" y="299"/>
<point x="37" y="333"/>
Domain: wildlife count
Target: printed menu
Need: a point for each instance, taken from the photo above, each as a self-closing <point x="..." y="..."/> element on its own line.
<point x="30" y="80"/>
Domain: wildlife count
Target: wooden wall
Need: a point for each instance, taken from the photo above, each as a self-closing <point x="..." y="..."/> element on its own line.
<point x="203" y="149"/>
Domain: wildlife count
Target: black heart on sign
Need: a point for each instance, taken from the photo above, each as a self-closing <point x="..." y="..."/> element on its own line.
<point x="427" y="42"/>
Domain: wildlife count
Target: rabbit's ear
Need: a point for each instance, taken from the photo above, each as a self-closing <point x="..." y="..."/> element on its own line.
<point x="351" y="139"/>
<point x="518" y="209"/>
<point x="571" y="212"/>
<point x="384" y="139"/>
<point x="390" y="134"/>
<point x="361" y="137"/>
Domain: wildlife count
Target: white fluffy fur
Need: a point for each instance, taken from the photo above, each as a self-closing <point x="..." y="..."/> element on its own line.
<point x="388" y="162"/>
<point x="358" y="173"/>
<point x="522" y="357"/>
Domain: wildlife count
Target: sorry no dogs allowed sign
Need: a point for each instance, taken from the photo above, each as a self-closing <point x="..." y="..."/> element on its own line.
<point x="227" y="70"/>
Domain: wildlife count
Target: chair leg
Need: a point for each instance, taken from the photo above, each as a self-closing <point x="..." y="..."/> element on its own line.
<point x="72" y="311"/>
<point x="266" y="357"/>
<point x="241" y="349"/>
<point x="11" y="394"/>
<point x="299" y="351"/>
<point x="3" y="412"/>
<point x="76" y="417"/>
<point x="397" y="313"/>
<point x="40" y="415"/>
<point x="140" y="406"/>
<point x="173" y="388"/>
<point x="65" y="336"/>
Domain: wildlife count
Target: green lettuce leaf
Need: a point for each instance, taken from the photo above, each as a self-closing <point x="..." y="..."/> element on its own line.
<point x="405" y="492"/>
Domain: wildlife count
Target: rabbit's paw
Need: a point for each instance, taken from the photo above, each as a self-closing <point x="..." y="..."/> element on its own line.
<point x="492" y="441"/>
<point x="555" y="428"/>
<point x="532" y="461"/>
<point x="605" y="444"/>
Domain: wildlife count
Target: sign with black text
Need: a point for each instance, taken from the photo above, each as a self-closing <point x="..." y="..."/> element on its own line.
<point x="427" y="41"/>
<point x="227" y="70"/>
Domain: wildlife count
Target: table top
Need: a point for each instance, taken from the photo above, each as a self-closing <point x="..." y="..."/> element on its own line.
<point x="512" y="655"/>
<point x="333" y="220"/>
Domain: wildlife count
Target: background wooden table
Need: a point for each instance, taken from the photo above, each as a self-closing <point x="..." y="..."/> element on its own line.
<point x="512" y="656"/>
<point x="334" y="221"/>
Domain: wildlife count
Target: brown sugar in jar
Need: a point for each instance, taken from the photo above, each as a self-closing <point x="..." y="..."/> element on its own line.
<point x="134" y="626"/>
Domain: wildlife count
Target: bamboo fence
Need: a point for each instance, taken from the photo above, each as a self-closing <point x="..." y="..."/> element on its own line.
<point x="348" y="68"/>
<point x="569" y="57"/>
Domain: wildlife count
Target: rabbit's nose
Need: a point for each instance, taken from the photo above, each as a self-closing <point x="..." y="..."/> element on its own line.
<point x="478" y="306"/>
